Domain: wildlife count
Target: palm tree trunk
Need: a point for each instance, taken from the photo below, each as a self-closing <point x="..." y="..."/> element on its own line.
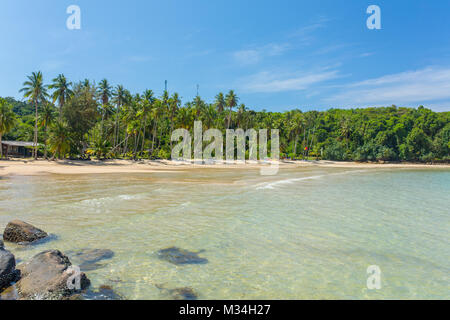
<point x="143" y="136"/>
<point x="295" y="145"/>
<point x="35" y="130"/>
<point x="45" y="143"/>
<point x="229" y="119"/>
<point x="1" y="146"/>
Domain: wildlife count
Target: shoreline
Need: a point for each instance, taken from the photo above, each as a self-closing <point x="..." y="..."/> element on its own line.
<point x="24" y="167"/>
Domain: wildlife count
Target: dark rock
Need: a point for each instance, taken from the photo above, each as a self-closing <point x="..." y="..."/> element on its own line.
<point x="47" y="275"/>
<point x="8" y="272"/>
<point x="21" y="232"/>
<point x="104" y="292"/>
<point x="180" y="256"/>
<point x="9" y="293"/>
<point x="183" y="294"/>
<point x="88" y="258"/>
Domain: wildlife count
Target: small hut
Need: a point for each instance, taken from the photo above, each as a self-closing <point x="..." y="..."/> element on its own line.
<point x="17" y="148"/>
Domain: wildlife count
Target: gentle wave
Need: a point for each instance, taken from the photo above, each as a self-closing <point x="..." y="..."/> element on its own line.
<point x="106" y="200"/>
<point x="272" y="185"/>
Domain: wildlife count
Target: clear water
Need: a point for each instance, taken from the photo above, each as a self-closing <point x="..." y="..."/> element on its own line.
<point x="306" y="233"/>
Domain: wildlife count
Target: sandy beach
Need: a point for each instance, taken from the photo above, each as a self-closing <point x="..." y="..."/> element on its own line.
<point x="39" y="167"/>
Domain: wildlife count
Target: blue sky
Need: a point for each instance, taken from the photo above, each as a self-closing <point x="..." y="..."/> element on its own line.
<point x="277" y="55"/>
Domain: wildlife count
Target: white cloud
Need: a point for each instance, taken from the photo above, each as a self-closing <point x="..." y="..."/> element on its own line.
<point x="257" y="54"/>
<point x="264" y="82"/>
<point x="413" y="88"/>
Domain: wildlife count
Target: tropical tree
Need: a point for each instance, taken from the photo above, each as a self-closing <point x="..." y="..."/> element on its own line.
<point x="105" y="93"/>
<point x="220" y="102"/>
<point x="62" y="91"/>
<point x="7" y="120"/>
<point x="231" y="100"/>
<point x="60" y="139"/>
<point x="47" y="117"/>
<point x="36" y="92"/>
<point x="174" y="105"/>
<point x="119" y="99"/>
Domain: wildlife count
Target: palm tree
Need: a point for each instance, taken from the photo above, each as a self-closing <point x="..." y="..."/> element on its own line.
<point x="62" y="91"/>
<point x="158" y="109"/>
<point x="105" y="92"/>
<point x="199" y="106"/>
<point x="174" y="105"/>
<point x="59" y="140"/>
<point x="241" y="115"/>
<point x="296" y="126"/>
<point x="185" y="118"/>
<point x="220" y="102"/>
<point x="209" y="116"/>
<point x="146" y="108"/>
<point x="7" y="120"/>
<point x="36" y="92"/>
<point x="231" y="100"/>
<point x="119" y="99"/>
<point x="46" y="119"/>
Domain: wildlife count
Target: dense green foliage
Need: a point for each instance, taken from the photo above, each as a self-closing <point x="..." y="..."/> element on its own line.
<point x="103" y="121"/>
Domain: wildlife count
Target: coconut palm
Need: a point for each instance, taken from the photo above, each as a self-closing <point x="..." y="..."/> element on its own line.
<point x="36" y="92"/>
<point x="62" y="91"/>
<point x="104" y="91"/>
<point x="47" y="117"/>
<point x="7" y="120"/>
<point x="185" y="118"/>
<point x="120" y="96"/>
<point x="147" y="105"/>
<point x="174" y="105"/>
<point x="231" y="100"/>
<point x="220" y="102"/>
<point x="59" y="140"/>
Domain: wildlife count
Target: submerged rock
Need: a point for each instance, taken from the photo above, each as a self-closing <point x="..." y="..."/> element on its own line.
<point x="8" y="272"/>
<point x="21" y="232"/>
<point x="183" y="294"/>
<point x="180" y="256"/>
<point x="104" y="292"/>
<point x="47" y="275"/>
<point x="88" y="258"/>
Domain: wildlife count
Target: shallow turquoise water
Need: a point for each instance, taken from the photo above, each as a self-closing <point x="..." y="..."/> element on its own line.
<point x="307" y="233"/>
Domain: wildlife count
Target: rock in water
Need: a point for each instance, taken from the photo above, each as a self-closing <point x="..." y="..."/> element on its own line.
<point x="88" y="258"/>
<point x="46" y="276"/>
<point x="104" y="292"/>
<point x="180" y="256"/>
<point x="18" y="231"/>
<point x="183" y="294"/>
<point x="8" y="272"/>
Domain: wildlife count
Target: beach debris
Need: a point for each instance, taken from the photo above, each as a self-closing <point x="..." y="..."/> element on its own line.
<point x="88" y="258"/>
<point x="179" y="256"/>
<point x="8" y="272"/>
<point x="21" y="232"/>
<point x="47" y="276"/>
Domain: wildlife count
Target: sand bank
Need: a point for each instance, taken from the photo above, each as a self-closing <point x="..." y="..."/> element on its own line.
<point x="30" y="167"/>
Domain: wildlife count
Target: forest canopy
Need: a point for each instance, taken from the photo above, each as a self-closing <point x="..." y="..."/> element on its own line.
<point x="86" y="120"/>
